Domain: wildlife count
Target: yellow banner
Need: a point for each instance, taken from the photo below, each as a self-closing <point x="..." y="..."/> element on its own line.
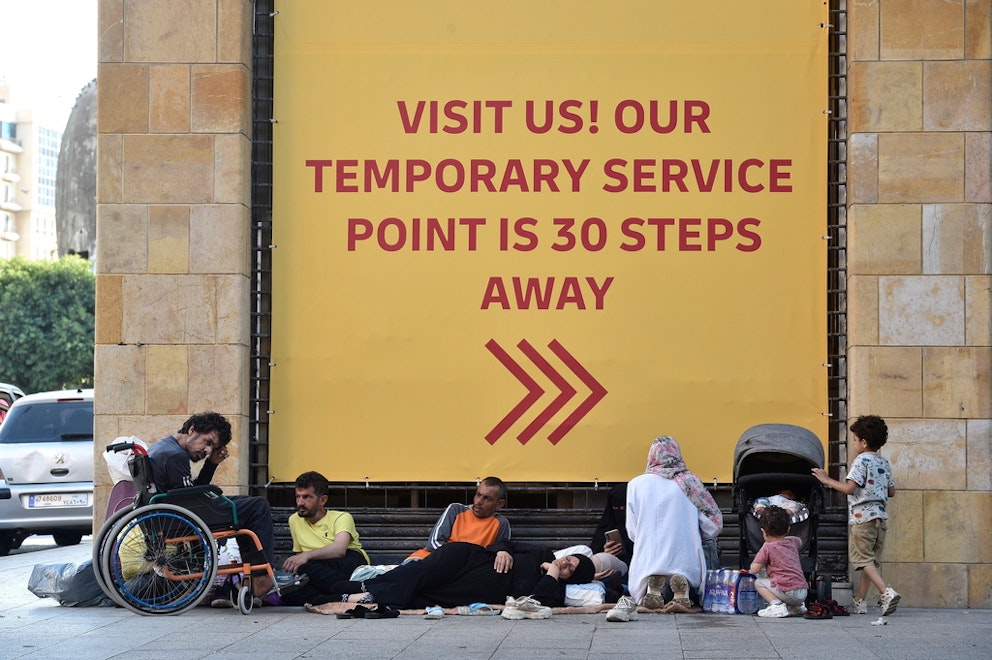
<point x="525" y="238"/>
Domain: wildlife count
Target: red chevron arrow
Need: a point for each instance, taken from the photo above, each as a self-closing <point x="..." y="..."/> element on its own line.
<point x="535" y="392"/>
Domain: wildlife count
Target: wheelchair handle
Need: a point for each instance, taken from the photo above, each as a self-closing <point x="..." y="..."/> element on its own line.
<point x="124" y="446"/>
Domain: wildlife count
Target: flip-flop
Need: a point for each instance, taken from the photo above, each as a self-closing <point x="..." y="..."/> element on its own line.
<point x="357" y="612"/>
<point x="433" y="612"/>
<point x="383" y="612"/>
<point x="476" y="609"/>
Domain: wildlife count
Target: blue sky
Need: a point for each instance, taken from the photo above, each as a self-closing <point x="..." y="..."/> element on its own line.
<point x="48" y="51"/>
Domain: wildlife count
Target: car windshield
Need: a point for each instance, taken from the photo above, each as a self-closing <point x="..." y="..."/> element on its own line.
<point x="48" y="422"/>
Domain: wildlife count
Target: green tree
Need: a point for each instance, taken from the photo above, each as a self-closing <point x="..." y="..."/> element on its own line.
<point x="46" y="323"/>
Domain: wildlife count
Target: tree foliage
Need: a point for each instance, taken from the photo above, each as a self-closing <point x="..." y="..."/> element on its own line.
<point x="46" y="323"/>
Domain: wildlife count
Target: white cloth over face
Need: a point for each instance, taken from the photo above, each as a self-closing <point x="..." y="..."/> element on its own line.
<point x="664" y="526"/>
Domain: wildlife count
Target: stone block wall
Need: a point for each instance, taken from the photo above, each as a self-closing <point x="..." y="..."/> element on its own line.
<point x="920" y="282"/>
<point x="173" y="213"/>
<point x="173" y="276"/>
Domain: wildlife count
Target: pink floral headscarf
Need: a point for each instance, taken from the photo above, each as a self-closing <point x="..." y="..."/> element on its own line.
<point x="665" y="460"/>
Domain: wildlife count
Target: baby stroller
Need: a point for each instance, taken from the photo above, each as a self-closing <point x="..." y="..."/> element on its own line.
<point x="769" y="461"/>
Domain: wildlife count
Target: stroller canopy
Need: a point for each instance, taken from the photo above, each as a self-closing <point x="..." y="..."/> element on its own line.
<point x="781" y="448"/>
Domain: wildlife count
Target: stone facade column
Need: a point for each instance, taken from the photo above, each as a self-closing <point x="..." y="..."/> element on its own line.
<point x="173" y="221"/>
<point x="919" y="282"/>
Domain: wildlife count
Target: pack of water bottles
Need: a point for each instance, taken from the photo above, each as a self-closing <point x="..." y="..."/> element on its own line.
<point x="730" y="591"/>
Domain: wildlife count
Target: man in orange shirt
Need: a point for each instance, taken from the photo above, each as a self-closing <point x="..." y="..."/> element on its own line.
<point x="479" y="523"/>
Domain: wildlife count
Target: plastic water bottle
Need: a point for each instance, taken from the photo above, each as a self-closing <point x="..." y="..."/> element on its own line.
<point x="748" y="598"/>
<point x="730" y="580"/>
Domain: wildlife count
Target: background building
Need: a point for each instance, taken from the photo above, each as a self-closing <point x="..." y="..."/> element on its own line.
<point x="29" y="153"/>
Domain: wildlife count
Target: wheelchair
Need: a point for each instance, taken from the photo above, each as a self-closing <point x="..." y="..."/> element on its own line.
<point x="159" y="555"/>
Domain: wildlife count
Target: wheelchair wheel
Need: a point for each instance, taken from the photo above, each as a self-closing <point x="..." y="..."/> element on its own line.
<point x="100" y="551"/>
<point x="246" y="598"/>
<point x="159" y="559"/>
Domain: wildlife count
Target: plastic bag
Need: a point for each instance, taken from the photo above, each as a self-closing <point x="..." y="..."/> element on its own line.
<point x="117" y="460"/>
<point x="72" y="585"/>
<point x="580" y="595"/>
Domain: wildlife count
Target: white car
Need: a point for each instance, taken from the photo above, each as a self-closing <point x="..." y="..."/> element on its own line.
<point x="46" y="468"/>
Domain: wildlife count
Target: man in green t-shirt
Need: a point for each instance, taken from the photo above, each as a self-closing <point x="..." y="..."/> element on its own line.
<point x="325" y="542"/>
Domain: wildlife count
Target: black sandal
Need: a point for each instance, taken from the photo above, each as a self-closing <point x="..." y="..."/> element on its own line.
<point x="383" y="612"/>
<point x="357" y="612"/>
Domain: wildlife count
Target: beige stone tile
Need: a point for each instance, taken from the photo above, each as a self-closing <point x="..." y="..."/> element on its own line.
<point x="232" y="169"/>
<point x="931" y="585"/>
<point x="957" y="382"/>
<point x="885" y="97"/>
<point x="957" y="239"/>
<point x="980" y="586"/>
<point x="110" y="31"/>
<point x="886" y="380"/>
<point x="862" y="310"/>
<point x="109" y="301"/>
<point x="122" y="101"/>
<point x="122" y="238"/>
<point x="957" y="526"/>
<point x="979" y="454"/>
<point x="884" y="239"/>
<point x="862" y="30"/>
<point x="166" y="379"/>
<point x="169" y="309"/>
<point x="977" y="35"/>
<point x="234" y="20"/>
<point x="920" y="311"/>
<point x="920" y="167"/>
<point x="168" y="169"/>
<point x="978" y="310"/>
<point x="233" y="309"/>
<point x="109" y="156"/>
<point x="957" y="96"/>
<point x="221" y="98"/>
<point x="168" y="98"/>
<point x="922" y="30"/>
<point x="928" y="454"/>
<point x="978" y="167"/>
<point x="216" y="376"/>
<point x="119" y="372"/>
<point x="904" y="538"/>
<point x="168" y="239"/>
<point x="170" y="31"/>
<point x="219" y="239"/>
<point x="862" y="168"/>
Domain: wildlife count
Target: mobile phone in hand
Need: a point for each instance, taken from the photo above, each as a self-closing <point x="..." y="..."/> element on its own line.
<point x="614" y="535"/>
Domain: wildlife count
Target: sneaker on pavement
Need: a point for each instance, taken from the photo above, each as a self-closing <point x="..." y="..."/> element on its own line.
<point x="776" y="611"/>
<point x="889" y="601"/>
<point x="434" y="612"/>
<point x="858" y="606"/>
<point x="524" y="607"/>
<point x="654" y="599"/>
<point x="624" y="610"/>
<point x="680" y="590"/>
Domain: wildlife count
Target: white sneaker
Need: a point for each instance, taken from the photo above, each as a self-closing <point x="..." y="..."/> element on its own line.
<point x="624" y="610"/>
<point x="524" y="607"/>
<point x="889" y="601"/>
<point x="858" y="606"/>
<point x="776" y="611"/>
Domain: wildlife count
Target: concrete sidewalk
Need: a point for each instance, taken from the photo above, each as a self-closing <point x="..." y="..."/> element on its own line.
<point x="36" y="628"/>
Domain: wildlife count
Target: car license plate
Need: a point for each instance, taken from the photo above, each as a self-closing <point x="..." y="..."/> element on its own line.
<point x="57" y="499"/>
